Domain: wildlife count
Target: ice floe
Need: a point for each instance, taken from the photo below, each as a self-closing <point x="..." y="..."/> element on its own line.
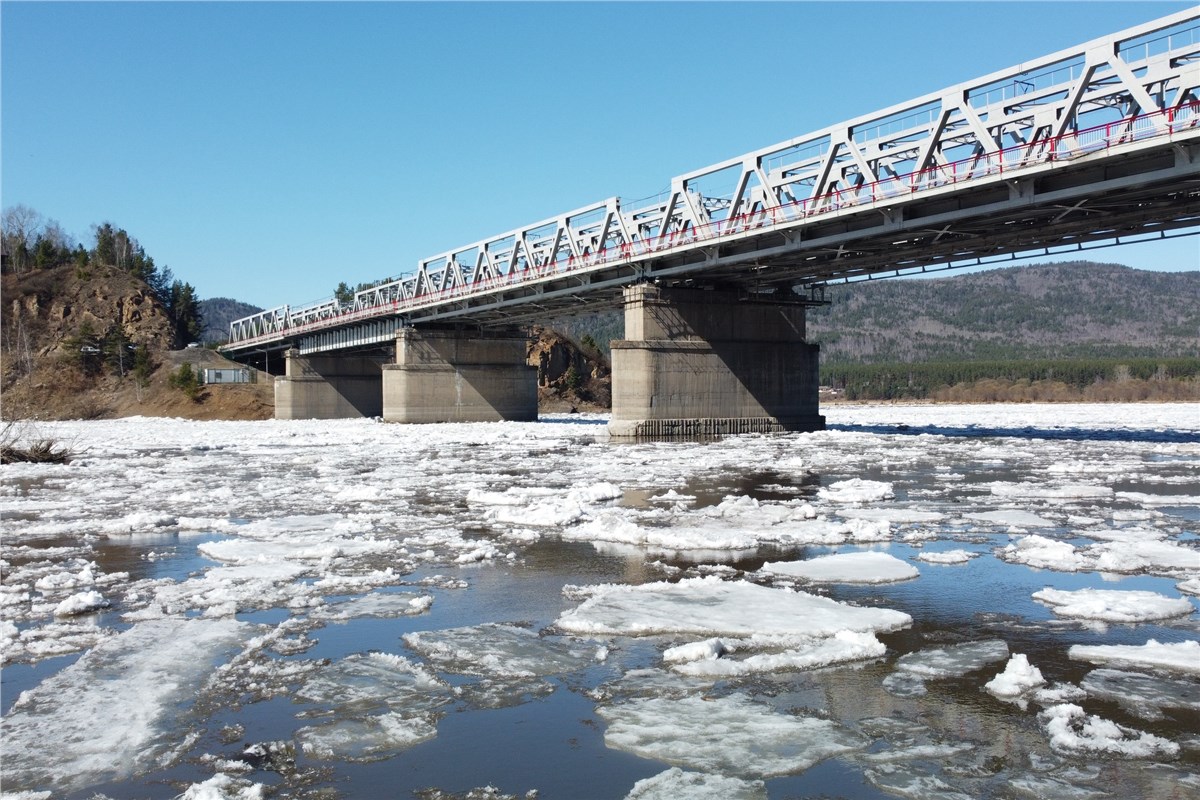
<point x="1111" y="605"/>
<point x="709" y="606"/>
<point x="497" y="650"/>
<point x="111" y="712"/>
<point x="1181" y="657"/>
<point x="957" y="556"/>
<point x="1073" y="731"/>
<point x="1018" y="679"/>
<point x="914" y="669"/>
<point x="864" y="567"/>
<point x="676" y="784"/>
<point x="724" y="735"/>
<point x="1142" y="694"/>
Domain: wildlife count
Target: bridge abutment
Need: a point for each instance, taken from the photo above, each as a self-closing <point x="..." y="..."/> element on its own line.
<point x="457" y="376"/>
<point x="697" y="362"/>
<point x="328" y="387"/>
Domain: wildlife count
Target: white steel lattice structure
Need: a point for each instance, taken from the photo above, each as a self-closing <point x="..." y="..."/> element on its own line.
<point x="1093" y="143"/>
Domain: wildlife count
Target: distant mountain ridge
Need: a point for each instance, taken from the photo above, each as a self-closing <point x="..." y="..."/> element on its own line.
<point x="1076" y="309"/>
<point x="218" y="312"/>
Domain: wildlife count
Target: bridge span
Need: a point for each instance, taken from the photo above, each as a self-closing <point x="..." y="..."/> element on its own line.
<point x="1094" y="144"/>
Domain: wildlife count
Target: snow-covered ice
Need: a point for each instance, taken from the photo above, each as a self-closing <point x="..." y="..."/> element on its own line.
<point x="1111" y="605"/>
<point x="713" y="607"/>
<point x="865" y="567"/>
<point x="1182" y="657"/>
<point x="1018" y="678"/>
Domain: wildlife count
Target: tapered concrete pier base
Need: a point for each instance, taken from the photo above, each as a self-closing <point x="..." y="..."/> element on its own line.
<point x="705" y="363"/>
<point x="455" y="376"/>
<point x="329" y="387"/>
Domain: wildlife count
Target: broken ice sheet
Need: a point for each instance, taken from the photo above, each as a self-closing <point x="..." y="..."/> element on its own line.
<point x="382" y="605"/>
<point x="914" y="780"/>
<point x="709" y="606"/>
<point x="365" y="738"/>
<point x="373" y="680"/>
<point x="913" y="669"/>
<point x="727" y="735"/>
<point x="498" y="651"/>
<point x="114" y="712"/>
<point x="675" y="784"/>
<point x="1142" y="694"/>
<point x="1181" y="657"/>
<point x="1072" y="731"/>
<point x="1114" y="605"/>
<point x="870" y="566"/>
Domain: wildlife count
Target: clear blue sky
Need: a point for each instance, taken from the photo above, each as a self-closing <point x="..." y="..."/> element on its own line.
<point x="267" y="151"/>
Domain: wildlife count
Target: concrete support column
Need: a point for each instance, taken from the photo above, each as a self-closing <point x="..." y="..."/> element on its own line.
<point x="456" y="376"/>
<point x="329" y="387"/>
<point x="696" y="362"/>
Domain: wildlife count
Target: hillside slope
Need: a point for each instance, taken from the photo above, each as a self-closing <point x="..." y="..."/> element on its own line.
<point x="1068" y="310"/>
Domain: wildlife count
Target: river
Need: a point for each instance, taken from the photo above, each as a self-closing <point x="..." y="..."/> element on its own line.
<point x="924" y="601"/>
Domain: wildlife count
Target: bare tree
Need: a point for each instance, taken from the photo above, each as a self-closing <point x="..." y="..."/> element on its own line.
<point x="20" y="226"/>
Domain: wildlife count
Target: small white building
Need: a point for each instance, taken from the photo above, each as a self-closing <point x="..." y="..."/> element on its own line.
<point x="227" y="376"/>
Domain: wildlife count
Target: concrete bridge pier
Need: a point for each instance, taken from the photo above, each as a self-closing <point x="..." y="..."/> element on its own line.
<point x="699" y="362"/>
<point x="328" y="387"/>
<point x="459" y="376"/>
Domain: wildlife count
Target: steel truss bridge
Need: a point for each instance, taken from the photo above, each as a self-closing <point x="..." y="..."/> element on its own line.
<point x="1095" y="144"/>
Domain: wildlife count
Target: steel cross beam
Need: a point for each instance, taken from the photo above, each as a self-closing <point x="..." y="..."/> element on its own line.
<point x="1038" y="146"/>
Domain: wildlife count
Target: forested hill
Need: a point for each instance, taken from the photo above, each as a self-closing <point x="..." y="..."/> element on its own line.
<point x="218" y="312"/>
<point x="1076" y="309"/>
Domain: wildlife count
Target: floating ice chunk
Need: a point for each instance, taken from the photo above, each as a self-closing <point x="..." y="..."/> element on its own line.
<point x="1072" y="731"/>
<point x="711" y="607"/>
<point x="953" y="660"/>
<point x="1112" y="605"/>
<point x="380" y="605"/>
<point x="671" y="496"/>
<point x="366" y="738"/>
<point x="1066" y="788"/>
<point x="1042" y="553"/>
<point x="498" y="651"/>
<point x="946" y="556"/>
<point x="1012" y="518"/>
<point x="59" y="581"/>
<point x="1063" y="491"/>
<point x="1143" y="499"/>
<point x="109" y="715"/>
<point x="910" y="780"/>
<point x="865" y="567"/>
<point x="1178" y="657"/>
<point x="1019" y="678"/>
<point x="710" y="649"/>
<point x="914" y="669"/>
<point x="726" y="735"/>
<point x="81" y="603"/>
<point x="1142" y="694"/>
<point x="1190" y="586"/>
<point x="543" y="515"/>
<point x="223" y="787"/>
<point x="856" y="490"/>
<point x="615" y="527"/>
<point x="1059" y="693"/>
<point x="675" y="784"/>
<point x="894" y="515"/>
<point x="374" y="680"/>
<point x="815" y="653"/>
<point x="1146" y="554"/>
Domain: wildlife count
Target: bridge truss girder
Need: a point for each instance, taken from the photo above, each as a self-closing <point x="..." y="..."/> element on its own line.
<point x="1019" y="159"/>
